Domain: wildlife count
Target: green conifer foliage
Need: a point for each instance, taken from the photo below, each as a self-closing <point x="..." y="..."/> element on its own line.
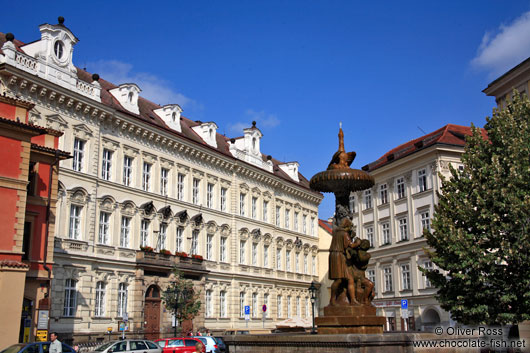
<point x="480" y="240"/>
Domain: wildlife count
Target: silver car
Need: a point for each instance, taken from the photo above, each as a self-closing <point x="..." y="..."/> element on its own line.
<point x="210" y="343"/>
<point x="129" y="346"/>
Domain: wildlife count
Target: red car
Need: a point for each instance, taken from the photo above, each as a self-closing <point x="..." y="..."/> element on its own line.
<point x="179" y="345"/>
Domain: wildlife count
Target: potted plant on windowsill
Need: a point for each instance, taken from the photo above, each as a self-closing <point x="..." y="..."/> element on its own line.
<point x="165" y="252"/>
<point x="181" y="254"/>
<point x="147" y="249"/>
<point x="198" y="257"/>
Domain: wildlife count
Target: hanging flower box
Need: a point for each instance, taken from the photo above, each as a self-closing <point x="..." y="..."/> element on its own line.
<point x="198" y="257"/>
<point x="147" y="249"/>
<point x="181" y="254"/>
<point x="165" y="252"/>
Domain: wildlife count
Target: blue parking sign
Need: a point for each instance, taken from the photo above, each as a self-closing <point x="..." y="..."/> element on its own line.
<point x="247" y="309"/>
<point x="404" y="304"/>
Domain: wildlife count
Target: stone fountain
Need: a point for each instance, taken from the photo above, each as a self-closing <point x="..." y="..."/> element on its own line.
<point x="350" y="309"/>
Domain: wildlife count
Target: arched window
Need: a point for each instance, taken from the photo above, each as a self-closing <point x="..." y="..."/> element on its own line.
<point x="174" y="116"/>
<point x="58" y="49"/>
<point x="130" y="97"/>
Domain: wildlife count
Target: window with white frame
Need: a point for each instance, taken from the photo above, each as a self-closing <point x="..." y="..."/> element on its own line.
<point x="144" y="232"/>
<point x="125" y="231"/>
<point x="370" y="235"/>
<point x="403" y="229"/>
<point x="287" y="221"/>
<point x="307" y="307"/>
<point x="254" y="254"/>
<point x="367" y="199"/>
<point x="195" y="191"/>
<point x="304" y="224"/>
<point x="209" y="303"/>
<point x="254" y="304"/>
<point x="425" y="221"/>
<point x="352" y="203"/>
<point x="289" y="308"/>
<point x="122" y="299"/>
<point x="298" y="312"/>
<point x="265" y="256"/>
<point x="296" y="221"/>
<point x="297" y="262"/>
<point x="242" y="255"/>
<point x="405" y="277"/>
<point x="279" y="312"/>
<point x="79" y="154"/>
<point x="305" y="264"/>
<point x="383" y="193"/>
<point x="223" y="199"/>
<point x="127" y="170"/>
<point x="266" y="299"/>
<point x="385" y="233"/>
<point x="99" y="309"/>
<point x="278" y="209"/>
<point x="70" y="297"/>
<point x="388" y="278"/>
<point x="422" y="179"/>
<point x="222" y="304"/>
<point x="242" y="197"/>
<point x="241" y="304"/>
<point x="254" y="206"/>
<point x="400" y="186"/>
<point x="104" y="226"/>
<point x="312" y="226"/>
<point x="146" y="176"/>
<point x="209" y="246"/>
<point x="179" y="239"/>
<point x="265" y="211"/>
<point x="164" y="181"/>
<point x="370" y="274"/>
<point x="162" y="236"/>
<point x="195" y="242"/>
<point x="313" y="265"/>
<point x="75" y="222"/>
<point x="428" y="266"/>
<point x="288" y="260"/>
<point x="222" y="250"/>
<point x="209" y="195"/>
<point x="180" y="186"/>
<point x="279" y="259"/>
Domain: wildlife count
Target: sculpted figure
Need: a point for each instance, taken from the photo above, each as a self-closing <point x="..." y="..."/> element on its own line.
<point x="338" y="269"/>
<point x="341" y="159"/>
<point x="357" y="263"/>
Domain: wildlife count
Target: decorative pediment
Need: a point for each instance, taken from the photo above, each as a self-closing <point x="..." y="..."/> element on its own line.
<point x="197" y="221"/>
<point x="165" y="213"/>
<point x="244" y="187"/>
<point x="289" y="244"/>
<point x="107" y="203"/>
<point x="149" y="158"/>
<point x="243" y="233"/>
<point x="78" y="196"/>
<point x="82" y="131"/>
<point x="280" y="242"/>
<point x="128" y="208"/>
<point x="130" y="151"/>
<point x="267" y="239"/>
<point x="314" y="250"/>
<point x="267" y="196"/>
<point x="148" y="209"/>
<point x="166" y="163"/>
<point x="110" y="144"/>
<point x="256" y="234"/>
<point x="182" y="217"/>
<point x="225" y="230"/>
<point x="211" y="227"/>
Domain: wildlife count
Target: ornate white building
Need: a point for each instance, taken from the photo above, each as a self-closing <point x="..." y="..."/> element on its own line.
<point x="392" y="215"/>
<point x="144" y="175"/>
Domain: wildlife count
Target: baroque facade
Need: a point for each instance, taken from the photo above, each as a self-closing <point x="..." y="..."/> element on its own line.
<point x="144" y="176"/>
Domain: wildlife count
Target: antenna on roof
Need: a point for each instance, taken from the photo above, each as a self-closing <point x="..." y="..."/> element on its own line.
<point x="422" y="130"/>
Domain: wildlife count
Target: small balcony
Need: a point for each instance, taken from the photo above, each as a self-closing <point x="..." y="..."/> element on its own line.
<point x="160" y="262"/>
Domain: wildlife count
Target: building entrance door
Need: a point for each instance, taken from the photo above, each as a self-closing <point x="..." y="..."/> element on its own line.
<point x="152" y="313"/>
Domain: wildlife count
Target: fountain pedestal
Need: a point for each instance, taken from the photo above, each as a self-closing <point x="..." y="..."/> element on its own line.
<point x="350" y="319"/>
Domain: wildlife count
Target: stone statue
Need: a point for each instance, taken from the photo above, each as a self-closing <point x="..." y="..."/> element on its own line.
<point x="357" y="260"/>
<point x="341" y="159"/>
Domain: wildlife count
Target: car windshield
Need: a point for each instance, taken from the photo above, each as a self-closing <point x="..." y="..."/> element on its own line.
<point x="103" y="347"/>
<point x="14" y="348"/>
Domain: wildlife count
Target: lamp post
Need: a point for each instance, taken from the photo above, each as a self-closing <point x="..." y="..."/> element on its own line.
<point x="313" y="290"/>
<point x="175" y="309"/>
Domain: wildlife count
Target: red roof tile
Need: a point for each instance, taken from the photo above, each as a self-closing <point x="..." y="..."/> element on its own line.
<point x="326" y="225"/>
<point x="450" y="134"/>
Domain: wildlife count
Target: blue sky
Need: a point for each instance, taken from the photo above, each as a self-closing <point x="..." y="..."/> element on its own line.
<point x="386" y="70"/>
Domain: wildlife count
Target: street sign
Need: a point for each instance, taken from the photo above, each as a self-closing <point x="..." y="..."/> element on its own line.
<point x="404" y="304"/>
<point x="42" y="322"/>
<point x="247" y="310"/>
<point x="264" y="308"/>
<point x="405" y="313"/>
<point x="42" y="336"/>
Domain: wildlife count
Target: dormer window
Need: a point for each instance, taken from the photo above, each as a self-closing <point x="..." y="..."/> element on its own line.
<point x="291" y="169"/>
<point x="58" y="48"/>
<point x="170" y="113"/>
<point x="127" y="94"/>
<point x="207" y="132"/>
<point x="174" y="117"/>
<point x="254" y="144"/>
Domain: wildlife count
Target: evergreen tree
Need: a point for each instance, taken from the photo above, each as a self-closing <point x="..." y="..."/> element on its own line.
<point x="181" y="298"/>
<point x="480" y="240"/>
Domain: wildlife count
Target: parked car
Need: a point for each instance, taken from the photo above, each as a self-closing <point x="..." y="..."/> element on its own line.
<point x="38" y="347"/>
<point x="231" y="332"/>
<point x="129" y="345"/>
<point x="209" y="342"/>
<point x="179" y="345"/>
<point x="221" y="344"/>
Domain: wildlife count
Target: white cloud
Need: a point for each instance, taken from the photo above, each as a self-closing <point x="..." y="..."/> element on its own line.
<point x="504" y="48"/>
<point x="263" y="120"/>
<point x="153" y="88"/>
